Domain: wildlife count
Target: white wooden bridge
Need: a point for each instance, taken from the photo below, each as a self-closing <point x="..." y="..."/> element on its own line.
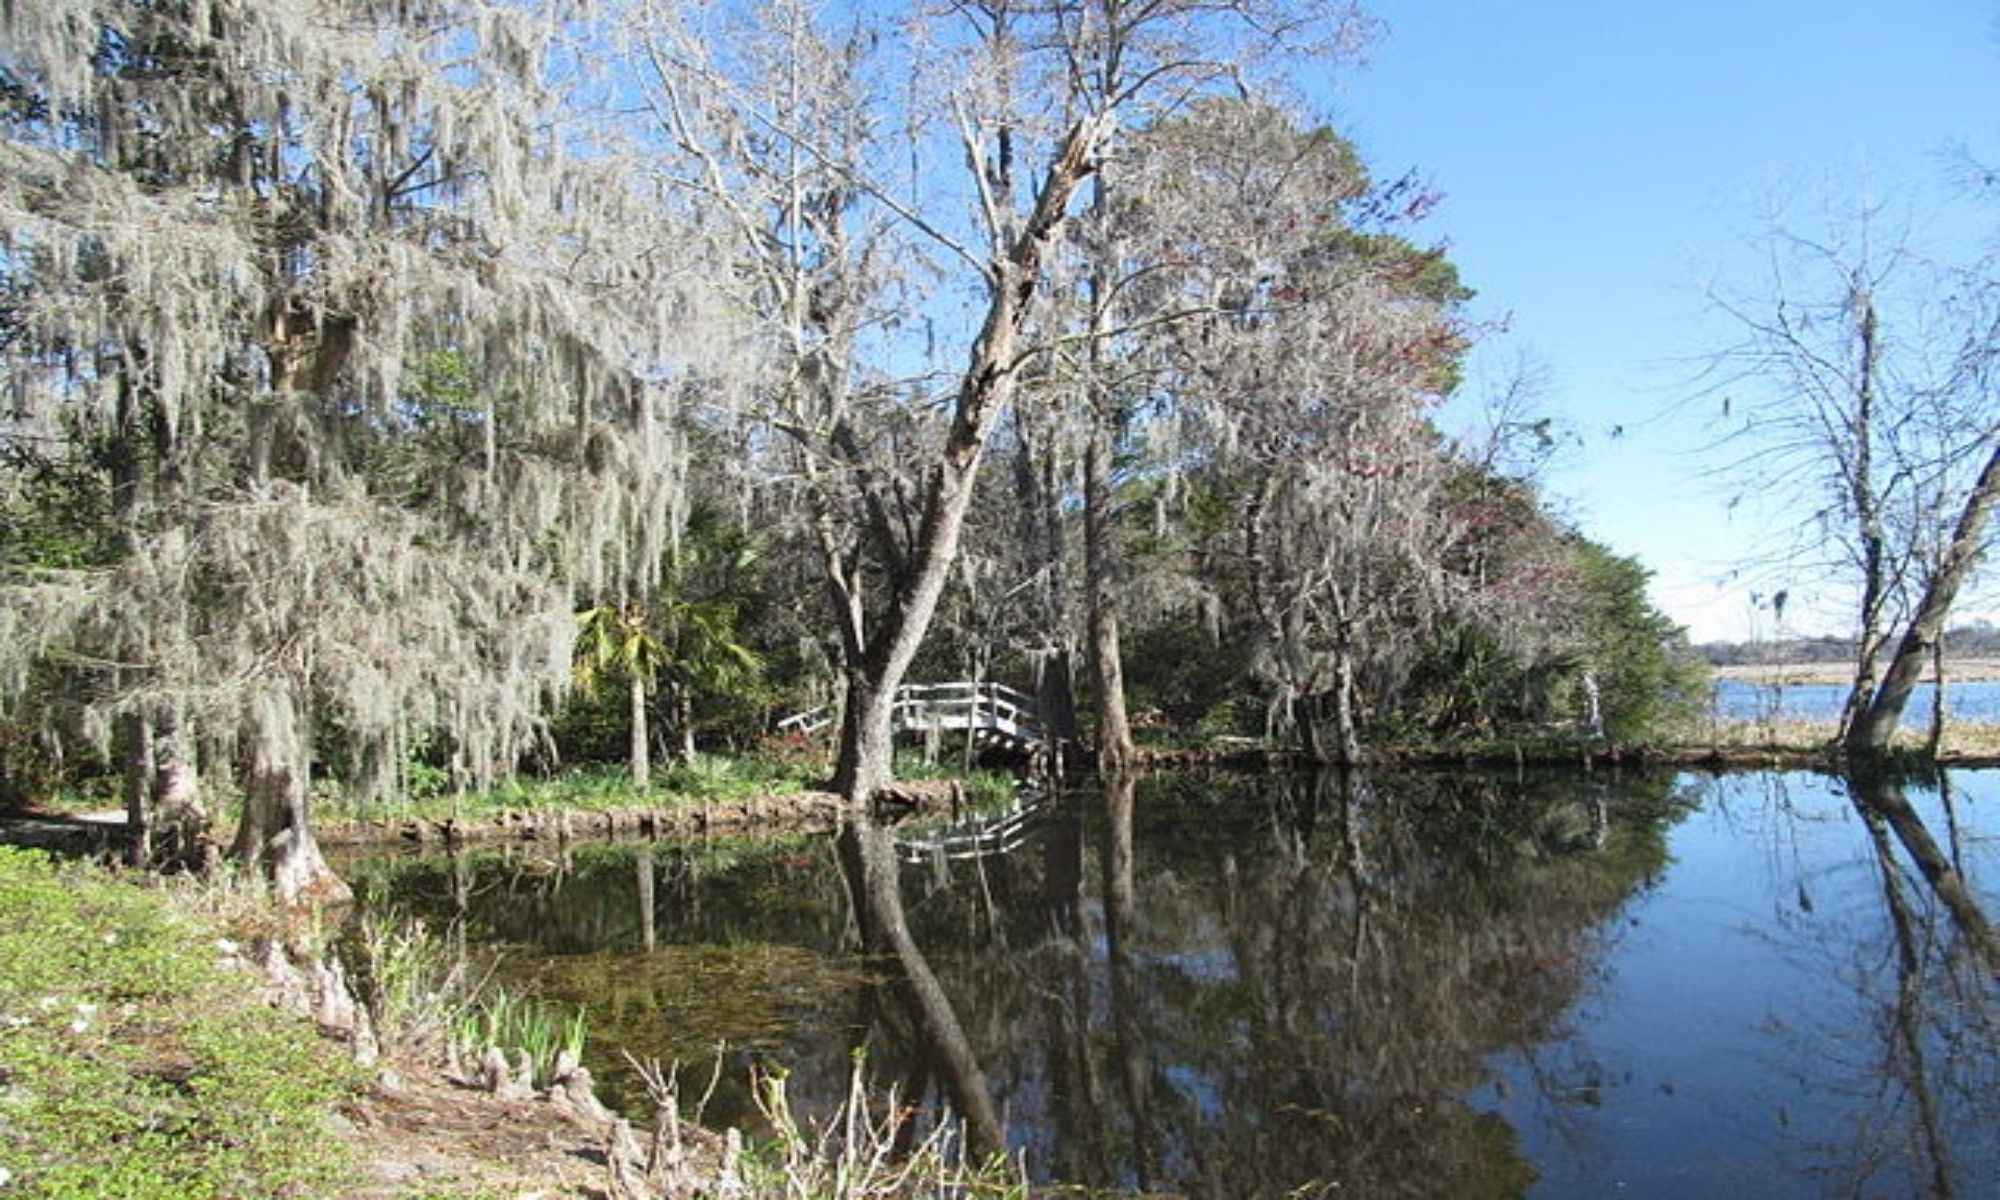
<point x="993" y="712"/>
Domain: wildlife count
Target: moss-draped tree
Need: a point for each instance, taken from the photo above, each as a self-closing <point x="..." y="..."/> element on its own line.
<point x="231" y="230"/>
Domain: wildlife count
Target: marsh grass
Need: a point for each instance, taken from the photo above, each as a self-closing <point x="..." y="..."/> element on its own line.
<point x="520" y="1026"/>
<point x="863" y="1149"/>
<point x="1795" y="736"/>
<point x="419" y="988"/>
<point x="135" y="1061"/>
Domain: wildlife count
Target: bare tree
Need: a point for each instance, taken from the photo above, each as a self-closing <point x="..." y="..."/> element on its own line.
<point x="784" y="140"/>
<point x="1861" y="382"/>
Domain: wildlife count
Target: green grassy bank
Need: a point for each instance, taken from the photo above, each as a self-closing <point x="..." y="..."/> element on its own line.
<point x="135" y="1061"/>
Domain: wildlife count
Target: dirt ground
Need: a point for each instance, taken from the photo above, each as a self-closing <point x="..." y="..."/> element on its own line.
<point x="431" y="1137"/>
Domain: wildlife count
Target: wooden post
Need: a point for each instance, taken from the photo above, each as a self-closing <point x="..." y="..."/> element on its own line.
<point x="971" y="723"/>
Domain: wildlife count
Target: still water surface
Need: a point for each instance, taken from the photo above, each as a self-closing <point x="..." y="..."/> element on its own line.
<point x="1975" y="702"/>
<point x="1409" y="985"/>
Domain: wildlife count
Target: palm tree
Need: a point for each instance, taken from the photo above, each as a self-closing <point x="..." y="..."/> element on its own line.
<point x="702" y="655"/>
<point x="691" y="645"/>
<point x="615" y="641"/>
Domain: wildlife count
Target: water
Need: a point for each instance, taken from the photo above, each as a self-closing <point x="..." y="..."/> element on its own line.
<point x="1972" y="703"/>
<point x="1420" y="985"/>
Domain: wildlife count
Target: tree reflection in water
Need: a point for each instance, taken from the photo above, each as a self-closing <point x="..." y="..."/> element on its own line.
<point x="1238" y="987"/>
<point x="1299" y="991"/>
<point x="868" y="860"/>
<point x="1922" y="1079"/>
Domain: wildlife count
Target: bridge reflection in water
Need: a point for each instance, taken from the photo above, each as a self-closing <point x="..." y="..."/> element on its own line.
<point x="992" y="832"/>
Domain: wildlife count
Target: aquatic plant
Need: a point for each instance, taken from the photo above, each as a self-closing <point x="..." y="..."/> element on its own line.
<point x="861" y="1150"/>
<point x="518" y="1026"/>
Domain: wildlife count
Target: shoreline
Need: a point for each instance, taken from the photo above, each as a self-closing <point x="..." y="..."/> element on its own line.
<point x="1731" y="746"/>
<point x="421" y="1123"/>
<point x="1971" y="670"/>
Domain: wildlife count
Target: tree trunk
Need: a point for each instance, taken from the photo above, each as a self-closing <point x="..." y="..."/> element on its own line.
<point x="138" y="744"/>
<point x="867" y="748"/>
<point x="1100" y="527"/>
<point x="638" y="750"/>
<point x="984" y="393"/>
<point x="1872" y="732"/>
<point x="179" y="818"/>
<point x="1107" y="669"/>
<point x="1868" y="519"/>
<point x="1937" y="698"/>
<point x="1055" y="693"/>
<point x="1349" y="746"/>
<point x="1308" y="729"/>
<point x="683" y="721"/>
<point x="276" y="833"/>
<point x="1038" y="489"/>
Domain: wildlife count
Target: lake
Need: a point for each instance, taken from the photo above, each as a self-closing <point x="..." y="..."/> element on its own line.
<point x="1557" y="985"/>
<point x="1974" y="702"/>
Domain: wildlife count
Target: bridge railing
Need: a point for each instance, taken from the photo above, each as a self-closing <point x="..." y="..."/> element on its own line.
<point x="928" y="707"/>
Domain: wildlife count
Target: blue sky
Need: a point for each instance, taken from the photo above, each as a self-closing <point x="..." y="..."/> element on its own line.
<point x="1603" y="163"/>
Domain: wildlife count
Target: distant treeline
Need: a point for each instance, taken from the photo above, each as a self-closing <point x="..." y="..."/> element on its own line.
<point x="1980" y="639"/>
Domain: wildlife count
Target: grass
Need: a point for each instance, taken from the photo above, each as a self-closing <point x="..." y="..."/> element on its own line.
<point x="705" y="780"/>
<point x="423" y="995"/>
<point x="1965" y="670"/>
<point x="418" y="989"/>
<point x="981" y="786"/>
<point x="134" y="1062"/>
<point x="137" y="1061"/>
<point x="1790" y="735"/>
<point x="708" y="779"/>
<point x="85" y="795"/>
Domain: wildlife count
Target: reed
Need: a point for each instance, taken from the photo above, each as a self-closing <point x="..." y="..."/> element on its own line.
<point x="520" y="1026"/>
<point x="863" y="1149"/>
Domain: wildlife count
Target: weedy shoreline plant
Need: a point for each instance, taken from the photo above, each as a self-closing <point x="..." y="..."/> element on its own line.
<point x="521" y="1026"/>
<point x="418" y="987"/>
<point x="860" y="1150"/>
